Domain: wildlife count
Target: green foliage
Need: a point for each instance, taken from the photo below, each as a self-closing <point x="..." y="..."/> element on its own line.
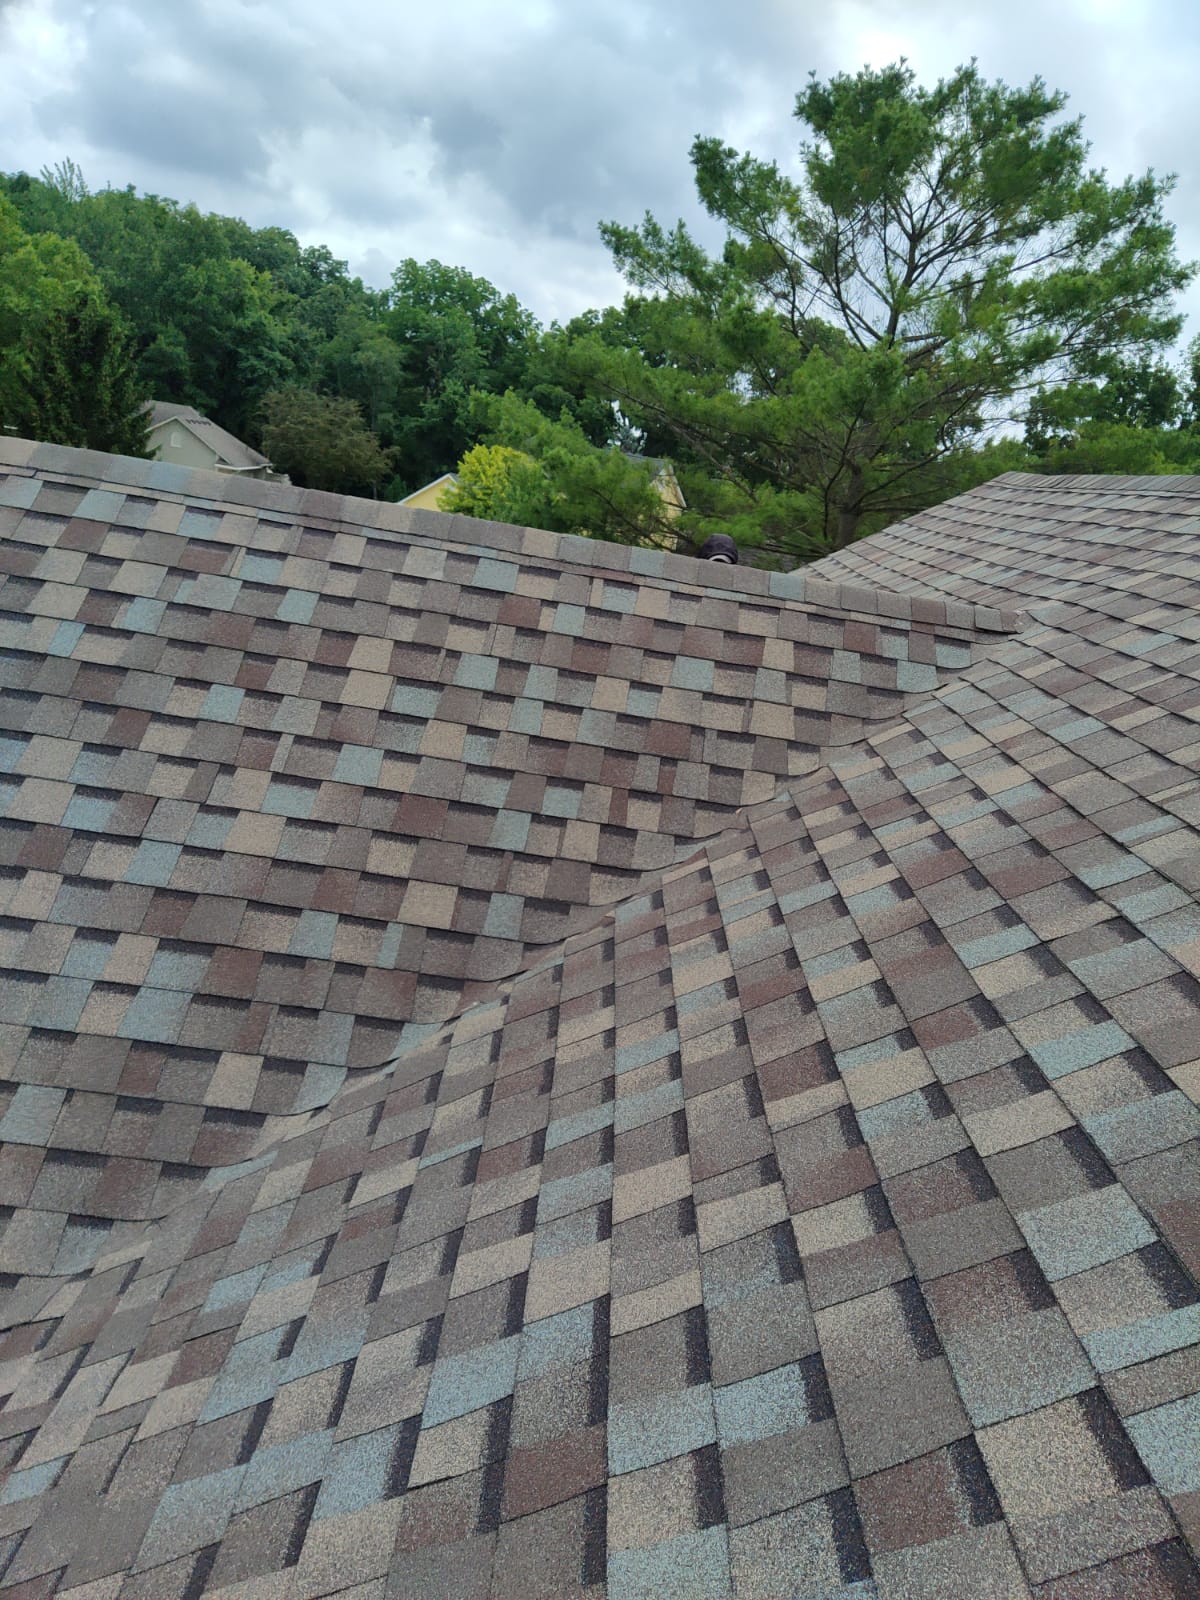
<point x="554" y="385"/>
<point x="1189" y="386"/>
<point x="502" y="484"/>
<point x="1142" y="419"/>
<point x="1144" y="394"/>
<point x="66" y="179"/>
<point x="66" y="368"/>
<point x="321" y="441"/>
<point x="1100" y="446"/>
<point x="205" y="322"/>
<point x="598" y="493"/>
<point x="360" y="362"/>
<point x="876" y="316"/>
<point x="223" y="315"/>
<point x="456" y="334"/>
<point x="942" y="253"/>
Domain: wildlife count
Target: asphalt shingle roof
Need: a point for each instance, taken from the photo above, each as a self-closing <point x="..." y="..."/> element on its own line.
<point x="540" y="1069"/>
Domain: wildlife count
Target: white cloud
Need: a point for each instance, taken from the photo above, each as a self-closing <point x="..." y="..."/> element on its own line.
<point x="497" y="138"/>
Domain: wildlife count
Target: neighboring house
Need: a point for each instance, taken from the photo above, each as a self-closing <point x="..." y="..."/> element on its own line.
<point x="557" y="1065"/>
<point x="665" y="484"/>
<point x="179" y="434"/>
<point x="429" y="496"/>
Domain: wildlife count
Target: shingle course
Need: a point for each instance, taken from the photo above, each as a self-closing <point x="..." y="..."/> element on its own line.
<point x="819" y="1200"/>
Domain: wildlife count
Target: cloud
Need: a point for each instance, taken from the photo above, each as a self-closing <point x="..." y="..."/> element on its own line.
<point x="498" y="138"/>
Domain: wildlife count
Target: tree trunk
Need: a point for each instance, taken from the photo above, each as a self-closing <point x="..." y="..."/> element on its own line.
<point x="849" y="509"/>
<point x="848" y="519"/>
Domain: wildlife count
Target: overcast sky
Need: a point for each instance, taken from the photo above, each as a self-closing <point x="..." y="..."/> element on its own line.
<point x="495" y="137"/>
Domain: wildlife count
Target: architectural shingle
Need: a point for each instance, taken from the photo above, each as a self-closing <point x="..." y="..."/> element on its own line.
<point x="532" y="1067"/>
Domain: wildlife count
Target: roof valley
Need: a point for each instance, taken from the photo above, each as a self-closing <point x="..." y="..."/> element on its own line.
<point x="805" y="1207"/>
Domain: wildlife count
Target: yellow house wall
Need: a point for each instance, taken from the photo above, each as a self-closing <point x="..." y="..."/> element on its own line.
<point x="666" y="487"/>
<point x="429" y="498"/>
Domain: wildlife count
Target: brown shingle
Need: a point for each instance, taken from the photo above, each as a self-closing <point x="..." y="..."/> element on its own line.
<point x="826" y="1170"/>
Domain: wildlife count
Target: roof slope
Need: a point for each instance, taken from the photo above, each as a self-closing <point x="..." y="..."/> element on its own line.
<point x="281" y="786"/>
<point x="817" y="1217"/>
<point x="1111" y="544"/>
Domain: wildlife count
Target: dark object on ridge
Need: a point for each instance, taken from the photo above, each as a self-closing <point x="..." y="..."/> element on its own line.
<point x="720" y="548"/>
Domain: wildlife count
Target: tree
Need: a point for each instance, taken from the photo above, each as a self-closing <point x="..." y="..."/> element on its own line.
<point x="458" y="334"/>
<point x="360" y="362"/>
<point x="1134" y="395"/>
<point x="1099" y="447"/>
<point x="1189" y="382"/>
<point x="502" y="484"/>
<point x="67" y="179"/>
<point x="222" y="314"/>
<point x="209" y="327"/>
<point x="67" y="372"/>
<point x="600" y="493"/>
<point x="551" y="381"/>
<point x="940" y="255"/>
<point x="236" y="343"/>
<point x="321" y="442"/>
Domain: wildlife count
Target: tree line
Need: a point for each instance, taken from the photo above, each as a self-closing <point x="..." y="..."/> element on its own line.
<point x="940" y="288"/>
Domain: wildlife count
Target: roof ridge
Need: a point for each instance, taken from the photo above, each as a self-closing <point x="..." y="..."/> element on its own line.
<point x="452" y="531"/>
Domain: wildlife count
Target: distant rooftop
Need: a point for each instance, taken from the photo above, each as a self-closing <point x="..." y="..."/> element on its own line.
<point x="231" y="453"/>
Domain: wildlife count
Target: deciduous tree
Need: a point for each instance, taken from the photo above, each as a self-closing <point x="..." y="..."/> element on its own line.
<point x="67" y="370"/>
<point x="320" y="440"/>
<point x="502" y="484"/>
<point x="457" y="334"/>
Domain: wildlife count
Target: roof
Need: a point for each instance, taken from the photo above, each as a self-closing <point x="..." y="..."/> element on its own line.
<point x="229" y="450"/>
<point x="444" y="477"/>
<point x="541" y="1068"/>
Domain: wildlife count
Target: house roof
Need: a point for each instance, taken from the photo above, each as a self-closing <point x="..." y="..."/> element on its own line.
<point x="536" y="1066"/>
<point x="448" y="478"/>
<point x="661" y="464"/>
<point x="228" y="449"/>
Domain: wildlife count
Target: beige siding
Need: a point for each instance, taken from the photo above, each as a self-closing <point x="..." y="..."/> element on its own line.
<point x="187" y="452"/>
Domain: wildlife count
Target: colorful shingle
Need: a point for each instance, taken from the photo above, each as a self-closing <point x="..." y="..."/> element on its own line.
<point x="530" y="1067"/>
